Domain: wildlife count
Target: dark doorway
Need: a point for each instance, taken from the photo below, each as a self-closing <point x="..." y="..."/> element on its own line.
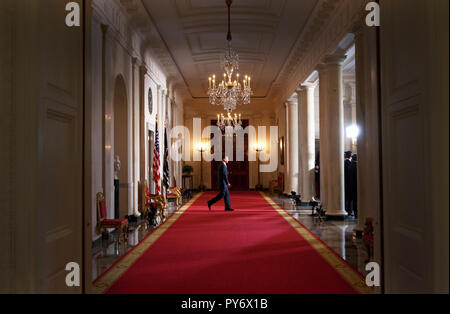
<point x="238" y="171"/>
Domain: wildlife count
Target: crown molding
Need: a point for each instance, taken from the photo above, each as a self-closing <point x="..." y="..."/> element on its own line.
<point x="134" y="29"/>
<point x="330" y="21"/>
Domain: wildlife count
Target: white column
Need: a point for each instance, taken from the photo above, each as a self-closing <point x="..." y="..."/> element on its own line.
<point x="142" y="130"/>
<point x="169" y="127"/>
<point x="161" y="125"/>
<point x="307" y="141"/>
<point x="323" y="117"/>
<point x="134" y="137"/>
<point x="292" y="175"/>
<point x="335" y="115"/>
<point x="300" y="99"/>
<point x="286" y="149"/>
<point x="367" y="120"/>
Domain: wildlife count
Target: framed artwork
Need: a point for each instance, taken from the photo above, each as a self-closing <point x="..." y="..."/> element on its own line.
<point x="150" y="101"/>
<point x="282" y="148"/>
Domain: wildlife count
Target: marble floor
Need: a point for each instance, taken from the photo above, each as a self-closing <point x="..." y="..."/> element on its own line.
<point x="338" y="235"/>
<point x="106" y="252"/>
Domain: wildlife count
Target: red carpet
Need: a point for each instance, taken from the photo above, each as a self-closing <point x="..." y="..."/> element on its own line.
<point x="251" y="251"/>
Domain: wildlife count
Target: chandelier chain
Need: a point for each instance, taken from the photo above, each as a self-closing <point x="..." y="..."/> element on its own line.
<point x="231" y="92"/>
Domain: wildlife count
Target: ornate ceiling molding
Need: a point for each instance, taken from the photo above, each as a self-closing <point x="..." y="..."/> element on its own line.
<point x="195" y="30"/>
<point x="329" y="23"/>
<point x="135" y="30"/>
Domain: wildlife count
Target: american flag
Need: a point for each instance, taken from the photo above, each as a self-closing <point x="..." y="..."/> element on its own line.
<point x="156" y="162"/>
<point x="166" y="170"/>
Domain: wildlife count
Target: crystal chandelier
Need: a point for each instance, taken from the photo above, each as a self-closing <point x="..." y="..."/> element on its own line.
<point x="231" y="92"/>
<point x="229" y="121"/>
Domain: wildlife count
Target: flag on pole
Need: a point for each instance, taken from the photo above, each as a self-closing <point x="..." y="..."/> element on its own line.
<point x="156" y="162"/>
<point x="166" y="176"/>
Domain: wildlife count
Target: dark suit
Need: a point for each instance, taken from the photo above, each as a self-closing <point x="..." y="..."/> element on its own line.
<point x="354" y="188"/>
<point x="347" y="174"/>
<point x="222" y="182"/>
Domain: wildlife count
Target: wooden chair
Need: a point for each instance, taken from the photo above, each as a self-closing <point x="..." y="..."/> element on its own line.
<point x="174" y="194"/>
<point x="144" y="203"/>
<point x="277" y="184"/>
<point x="103" y="224"/>
<point x="153" y="205"/>
<point x="180" y="189"/>
<point x="273" y="185"/>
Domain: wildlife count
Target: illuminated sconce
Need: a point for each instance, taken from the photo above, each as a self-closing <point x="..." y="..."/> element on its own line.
<point x="353" y="133"/>
<point x="259" y="147"/>
<point x="202" y="147"/>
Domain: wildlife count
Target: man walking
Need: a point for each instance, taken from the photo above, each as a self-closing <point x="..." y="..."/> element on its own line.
<point x="224" y="184"/>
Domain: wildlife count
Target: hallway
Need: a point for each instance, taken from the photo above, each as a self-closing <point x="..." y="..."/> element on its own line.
<point x="257" y="249"/>
<point x="120" y="118"/>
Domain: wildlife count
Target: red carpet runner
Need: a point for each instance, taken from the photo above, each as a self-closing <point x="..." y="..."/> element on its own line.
<point x="259" y="249"/>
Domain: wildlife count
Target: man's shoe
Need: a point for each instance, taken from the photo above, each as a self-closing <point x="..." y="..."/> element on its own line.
<point x="209" y="206"/>
<point x="229" y="210"/>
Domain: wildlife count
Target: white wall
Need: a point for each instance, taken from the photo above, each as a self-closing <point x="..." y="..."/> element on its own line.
<point x="124" y="54"/>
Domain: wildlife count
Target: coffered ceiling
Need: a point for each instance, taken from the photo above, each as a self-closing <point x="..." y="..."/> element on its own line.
<point x="264" y="33"/>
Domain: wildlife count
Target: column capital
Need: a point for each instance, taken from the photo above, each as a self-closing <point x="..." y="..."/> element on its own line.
<point x="143" y="69"/>
<point x="290" y="102"/>
<point x="321" y="68"/>
<point x="307" y="86"/>
<point x="335" y="59"/>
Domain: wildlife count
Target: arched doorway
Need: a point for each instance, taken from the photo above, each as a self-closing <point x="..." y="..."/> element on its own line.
<point x="121" y="146"/>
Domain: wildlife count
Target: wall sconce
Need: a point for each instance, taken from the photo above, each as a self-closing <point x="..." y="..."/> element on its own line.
<point x="202" y="147"/>
<point x="259" y="147"/>
<point x="353" y="132"/>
